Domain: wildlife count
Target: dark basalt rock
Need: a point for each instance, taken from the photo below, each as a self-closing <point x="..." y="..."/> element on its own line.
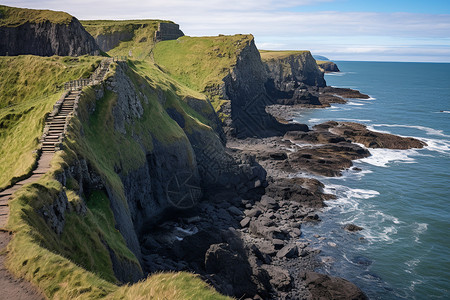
<point x="327" y="160"/>
<point x="47" y="39"/>
<point x="358" y="133"/>
<point x="327" y="287"/>
<point x="352" y="227"/>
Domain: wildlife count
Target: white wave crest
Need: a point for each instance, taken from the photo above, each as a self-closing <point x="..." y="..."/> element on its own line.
<point x="382" y="157"/>
<point x="427" y="130"/>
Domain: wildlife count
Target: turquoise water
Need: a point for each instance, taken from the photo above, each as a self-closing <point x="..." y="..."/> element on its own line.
<point x="401" y="197"/>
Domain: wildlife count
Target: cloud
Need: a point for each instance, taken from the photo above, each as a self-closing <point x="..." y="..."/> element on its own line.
<point x="275" y="23"/>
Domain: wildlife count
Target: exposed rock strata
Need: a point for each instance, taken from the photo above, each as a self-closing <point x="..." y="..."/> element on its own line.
<point x="245" y="87"/>
<point x="47" y="39"/>
<point x="327" y="66"/>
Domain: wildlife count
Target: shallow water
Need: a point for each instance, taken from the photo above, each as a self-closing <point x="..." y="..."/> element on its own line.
<point x="401" y="196"/>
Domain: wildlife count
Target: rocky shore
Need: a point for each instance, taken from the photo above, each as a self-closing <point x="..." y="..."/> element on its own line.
<point x="251" y="245"/>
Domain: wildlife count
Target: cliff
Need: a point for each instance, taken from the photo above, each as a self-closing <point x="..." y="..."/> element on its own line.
<point x="134" y="38"/>
<point x="292" y="69"/>
<point x="229" y="70"/>
<point x="327" y="66"/>
<point x="44" y="33"/>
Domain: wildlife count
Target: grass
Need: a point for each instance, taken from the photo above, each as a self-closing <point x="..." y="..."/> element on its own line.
<point x="200" y="63"/>
<point x="141" y="43"/>
<point x="14" y="16"/>
<point x="30" y="86"/>
<point x="76" y="264"/>
<point x="180" y="285"/>
<point x="270" y="55"/>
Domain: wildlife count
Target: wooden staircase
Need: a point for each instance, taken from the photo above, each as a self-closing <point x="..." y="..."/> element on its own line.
<point x="54" y="132"/>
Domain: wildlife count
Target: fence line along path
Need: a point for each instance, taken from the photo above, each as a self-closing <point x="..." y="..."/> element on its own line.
<point x="54" y="132"/>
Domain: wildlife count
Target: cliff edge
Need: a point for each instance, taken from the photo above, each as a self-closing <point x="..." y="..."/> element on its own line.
<point x="43" y="33"/>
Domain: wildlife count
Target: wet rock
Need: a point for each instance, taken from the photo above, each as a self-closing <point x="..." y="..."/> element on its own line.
<point x="358" y="133"/>
<point x="352" y="227"/>
<point x="327" y="287"/>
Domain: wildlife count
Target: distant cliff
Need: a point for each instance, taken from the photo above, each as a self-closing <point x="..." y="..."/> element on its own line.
<point x="292" y="68"/>
<point x="327" y="66"/>
<point x="140" y="33"/>
<point x="44" y="33"/>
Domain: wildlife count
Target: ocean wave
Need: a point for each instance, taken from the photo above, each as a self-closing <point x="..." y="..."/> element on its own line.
<point x="314" y="120"/>
<point x="383" y="157"/>
<point x="352" y="120"/>
<point x="355" y="103"/>
<point x="427" y="130"/>
<point x="441" y="146"/>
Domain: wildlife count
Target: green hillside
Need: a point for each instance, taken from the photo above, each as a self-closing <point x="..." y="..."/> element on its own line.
<point x="14" y="16"/>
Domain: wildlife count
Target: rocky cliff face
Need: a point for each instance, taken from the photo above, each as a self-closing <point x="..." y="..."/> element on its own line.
<point x="327" y="66"/>
<point x="109" y="41"/>
<point x="177" y="172"/>
<point x="47" y="39"/>
<point x="168" y="31"/>
<point x="246" y="88"/>
<point x="294" y="70"/>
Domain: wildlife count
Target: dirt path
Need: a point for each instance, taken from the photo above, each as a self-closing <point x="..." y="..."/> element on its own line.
<point x="12" y="287"/>
<point x="17" y="288"/>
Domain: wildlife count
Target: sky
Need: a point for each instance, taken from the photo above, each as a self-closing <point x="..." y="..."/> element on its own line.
<point x="358" y="30"/>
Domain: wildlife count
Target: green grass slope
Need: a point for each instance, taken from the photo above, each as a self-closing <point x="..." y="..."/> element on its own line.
<point x="14" y="16"/>
<point x="30" y="87"/>
<point x="267" y="55"/>
<point x="141" y="43"/>
<point x="76" y="264"/>
<point x="200" y="62"/>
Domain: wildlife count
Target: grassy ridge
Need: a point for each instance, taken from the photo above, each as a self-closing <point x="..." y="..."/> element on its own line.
<point x="76" y="264"/>
<point x="269" y="54"/>
<point x="30" y="87"/>
<point x="14" y="16"/>
<point x="141" y="43"/>
<point x="200" y="62"/>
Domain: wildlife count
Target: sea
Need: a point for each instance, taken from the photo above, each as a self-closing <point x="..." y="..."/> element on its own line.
<point x="400" y="197"/>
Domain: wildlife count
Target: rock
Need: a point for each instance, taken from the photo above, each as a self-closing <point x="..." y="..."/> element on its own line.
<point x="280" y="278"/>
<point x="331" y="244"/>
<point x="254" y="212"/>
<point x="327" y="287"/>
<point x="288" y="251"/>
<point x="327" y="160"/>
<point x="269" y="202"/>
<point x="234" y="210"/>
<point x="278" y="244"/>
<point x="245" y="222"/>
<point x="267" y="248"/>
<point x="352" y="227"/>
<point x="358" y="133"/>
<point x="46" y="38"/>
<point x="279" y="156"/>
<point x="232" y="270"/>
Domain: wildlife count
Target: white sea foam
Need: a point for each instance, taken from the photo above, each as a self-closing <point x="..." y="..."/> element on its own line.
<point x="441" y="146"/>
<point x="382" y="157"/>
<point x="427" y="130"/>
<point x="314" y="120"/>
<point x="355" y="103"/>
<point x="352" y="120"/>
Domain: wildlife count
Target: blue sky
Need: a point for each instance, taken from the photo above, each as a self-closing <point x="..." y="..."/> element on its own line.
<point x="383" y="30"/>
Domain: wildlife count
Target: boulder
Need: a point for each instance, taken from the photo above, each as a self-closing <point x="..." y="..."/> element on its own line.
<point x="328" y="287"/>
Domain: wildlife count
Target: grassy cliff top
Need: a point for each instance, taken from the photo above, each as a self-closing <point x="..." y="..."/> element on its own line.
<point x="200" y="62"/>
<point x="269" y="54"/>
<point x="14" y="16"/>
<point x="98" y="27"/>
